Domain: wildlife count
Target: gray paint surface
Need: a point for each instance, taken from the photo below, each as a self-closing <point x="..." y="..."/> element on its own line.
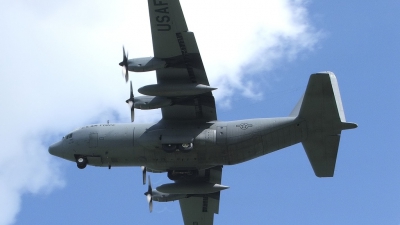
<point x="316" y="121"/>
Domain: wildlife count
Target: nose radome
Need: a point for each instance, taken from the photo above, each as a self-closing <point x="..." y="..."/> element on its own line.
<point x="60" y="150"/>
<point x="53" y="148"/>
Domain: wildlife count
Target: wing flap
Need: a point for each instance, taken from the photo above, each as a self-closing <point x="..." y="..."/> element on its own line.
<point x="200" y="209"/>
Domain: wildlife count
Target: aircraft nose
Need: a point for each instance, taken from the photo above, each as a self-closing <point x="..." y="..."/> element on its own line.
<point x="54" y="149"/>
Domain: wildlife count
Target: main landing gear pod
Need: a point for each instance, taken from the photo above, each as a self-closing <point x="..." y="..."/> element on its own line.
<point x="184" y="147"/>
<point x="185" y="175"/>
<point x="176" y="142"/>
<point x="169" y="147"/>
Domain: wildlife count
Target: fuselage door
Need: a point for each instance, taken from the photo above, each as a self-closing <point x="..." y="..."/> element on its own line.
<point x="93" y="139"/>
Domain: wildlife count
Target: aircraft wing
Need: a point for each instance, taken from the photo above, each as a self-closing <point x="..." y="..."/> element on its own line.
<point x="173" y="43"/>
<point x="200" y="209"/>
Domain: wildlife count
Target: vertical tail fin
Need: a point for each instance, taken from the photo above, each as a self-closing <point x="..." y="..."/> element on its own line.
<point x="321" y="107"/>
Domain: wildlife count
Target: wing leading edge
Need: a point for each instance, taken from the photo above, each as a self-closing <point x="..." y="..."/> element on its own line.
<point x="173" y="43"/>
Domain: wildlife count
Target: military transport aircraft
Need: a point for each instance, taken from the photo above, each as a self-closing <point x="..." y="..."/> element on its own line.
<point x="189" y="143"/>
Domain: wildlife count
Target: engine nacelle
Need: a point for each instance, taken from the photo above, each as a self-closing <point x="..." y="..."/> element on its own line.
<point x="191" y="188"/>
<point x="146" y="64"/>
<point x="151" y="102"/>
<point x="165" y="197"/>
<point x="175" y="90"/>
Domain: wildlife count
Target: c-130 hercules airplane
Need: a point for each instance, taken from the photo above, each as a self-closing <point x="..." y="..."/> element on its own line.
<point x="189" y="143"/>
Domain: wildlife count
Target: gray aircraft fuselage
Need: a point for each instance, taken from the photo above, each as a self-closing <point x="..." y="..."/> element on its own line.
<point x="214" y="143"/>
<point x="192" y="152"/>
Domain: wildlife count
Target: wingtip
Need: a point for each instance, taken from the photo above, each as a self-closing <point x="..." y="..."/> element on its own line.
<point x="346" y="125"/>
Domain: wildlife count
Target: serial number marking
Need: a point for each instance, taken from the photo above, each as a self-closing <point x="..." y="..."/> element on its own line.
<point x="186" y="58"/>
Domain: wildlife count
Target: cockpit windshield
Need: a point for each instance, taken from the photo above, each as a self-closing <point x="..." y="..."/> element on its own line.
<point x="68" y="136"/>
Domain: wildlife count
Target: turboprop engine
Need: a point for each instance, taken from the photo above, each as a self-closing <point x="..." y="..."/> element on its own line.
<point x="145" y="64"/>
<point x="146" y="102"/>
<point x="153" y="194"/>
<point x="180" y="190"/>
<point x="151" y="102"/>
<point x="140" y="64"/>
<point x="191" y="188"/>
<point x="175" y="90"/>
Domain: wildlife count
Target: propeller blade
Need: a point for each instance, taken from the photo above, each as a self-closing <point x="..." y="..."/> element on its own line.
<point x="123" y="70"/>
<point x="123" y="52"/>
<point x="124" y="64"/>
<point x="132" y="114"/>
<point x="151" y="205"/>
<point x="144" y="174"/>
<point x="149" y="196"/>
<point x="149" y="189"/>
<point x="131" y="103"/>
<point x="150" y="201"/>
<point x="126" y="76"/>
<point x="131" y="96"/>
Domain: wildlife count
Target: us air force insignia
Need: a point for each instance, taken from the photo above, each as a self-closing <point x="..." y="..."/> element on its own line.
<point x="244" y="126"/>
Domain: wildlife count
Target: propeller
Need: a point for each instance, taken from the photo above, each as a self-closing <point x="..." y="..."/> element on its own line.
<point x="149" y="195"/>
<point x="131" y="103"/>
<point x="144" y="174"/>
<point x="124" y="65"/>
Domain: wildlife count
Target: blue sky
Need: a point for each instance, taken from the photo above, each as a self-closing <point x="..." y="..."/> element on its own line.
<point x="59" y="71"/>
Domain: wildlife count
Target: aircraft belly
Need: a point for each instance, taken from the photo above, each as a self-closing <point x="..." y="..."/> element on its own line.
<point x="117" y="146"/>
<point x="205" y="151"/>
<point x="221" y="144"/>
<point x="253" y="138"/>
<point x="245" y="150"/>
<point x="95" y="160"/>
<point x="284" y="136"/>
<point x="111" y="145"/>
<point x="198" y="158"/>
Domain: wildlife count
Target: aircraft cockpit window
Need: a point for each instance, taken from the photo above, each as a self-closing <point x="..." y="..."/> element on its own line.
<point x="68" y="136"/>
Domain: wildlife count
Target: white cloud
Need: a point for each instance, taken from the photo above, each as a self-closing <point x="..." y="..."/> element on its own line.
<point x="59" y="70"/>
<point x="238" y="40"/>
<point x="26" y="168"/>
